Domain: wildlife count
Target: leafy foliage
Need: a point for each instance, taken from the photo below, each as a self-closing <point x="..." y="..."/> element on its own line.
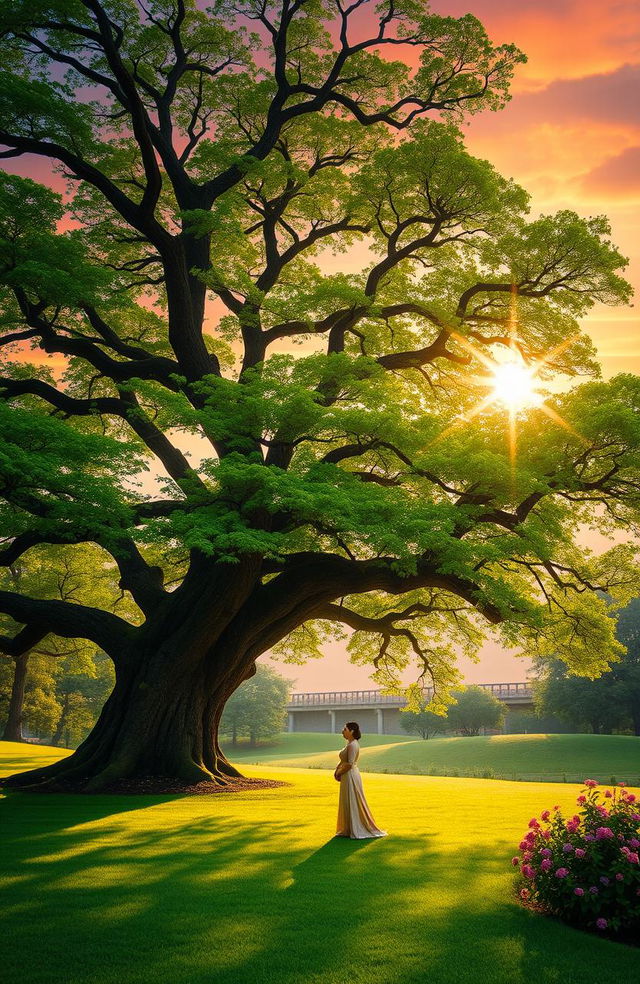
<point x="475" y="708"/>
<point x="240" y="351"/>
<point x="607" y="702"/>
<point x="423" y="722"/>
<point x="257" y="708"/>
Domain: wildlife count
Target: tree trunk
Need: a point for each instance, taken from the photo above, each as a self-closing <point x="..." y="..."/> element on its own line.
<point x="176" y="672"/>
<point x="56" y="738"/>
<point x="13" y="727"/>
<point x="160" y="721"/>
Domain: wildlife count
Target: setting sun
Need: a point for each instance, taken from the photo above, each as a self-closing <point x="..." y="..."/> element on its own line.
<point x="514" y="386"/>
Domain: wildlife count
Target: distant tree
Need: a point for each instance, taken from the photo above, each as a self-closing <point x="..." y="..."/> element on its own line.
<point x="257" y="708"/>
<point x="83" y="682"/>
<point x="38" y="704"/>
<point x="71" y="575"/>
<point x="588" y="705"/>
<point x="475" y="708"/>
<point x="627" y="671"/>
<point x="423" y="722"/>
<point x="609" y="701"/>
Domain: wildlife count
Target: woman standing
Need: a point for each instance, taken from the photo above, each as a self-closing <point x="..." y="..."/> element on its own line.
<point x="354" y="815"/>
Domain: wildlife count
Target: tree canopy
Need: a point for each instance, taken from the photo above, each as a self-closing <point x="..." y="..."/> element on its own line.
<point x="272" y="281"/>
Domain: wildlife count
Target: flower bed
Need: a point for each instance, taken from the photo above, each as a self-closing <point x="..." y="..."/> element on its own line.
<point x="586" y="870"/>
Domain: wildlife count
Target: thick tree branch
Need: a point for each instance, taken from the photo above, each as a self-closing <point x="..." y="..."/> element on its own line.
<point x="23" y="641"/>
<point x="71" y="621"/>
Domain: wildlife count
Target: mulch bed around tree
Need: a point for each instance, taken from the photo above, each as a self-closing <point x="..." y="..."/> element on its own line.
<point x="160" y="785"/>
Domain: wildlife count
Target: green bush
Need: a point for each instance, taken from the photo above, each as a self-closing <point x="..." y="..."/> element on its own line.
<point x="586" y="870"/>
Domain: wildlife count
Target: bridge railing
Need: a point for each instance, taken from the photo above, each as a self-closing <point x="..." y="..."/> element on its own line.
<point x="359" y="697"/>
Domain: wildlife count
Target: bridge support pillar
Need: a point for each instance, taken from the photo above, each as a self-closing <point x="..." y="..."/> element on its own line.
<point x="380" y="721"/>
<point x="332" y="722"/>
<point x="290" y="722"/>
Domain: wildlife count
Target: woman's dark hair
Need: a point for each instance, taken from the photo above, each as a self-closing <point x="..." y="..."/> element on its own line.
<point x="354" y="728"/>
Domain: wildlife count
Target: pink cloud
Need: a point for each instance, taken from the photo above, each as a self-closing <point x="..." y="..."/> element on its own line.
<point x="618" y="176"/>
<point x="607" y="99"/>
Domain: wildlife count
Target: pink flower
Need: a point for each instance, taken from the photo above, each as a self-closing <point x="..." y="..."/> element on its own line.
<point x="589" y="837"/>
<point x="580" y="852"/>
<point x="601" y="923"/>
<point x="633" y="857"/>
<point x="530" y="836"/>
<point x="545" y="864"/>
<point x="635" y="816"/>
<point x="523" y="845"/>
<point x="524" y="893"/>
<point x="515" y="862"/>
<point x="602" y="810"/>
<point x="604" y="833"/>
<point x="590" y="783"/>
<point x="582" y="799"/>
<point x="546" y="834"/>
<point x="545" y="853"/>
<point x="533" y="822"/>
<point x="631" y="797"/>
<point x="528" y="871"/>
<point x="545" y="814"/>
<point x="567" y="848"/>
<point x="608" y="794"/>
<point x="578" y="891"/>
<point x="623" y="784"/>
<point x="619" y="876"/>
<point x="562" y="872"/>
<point x="634" y="842"/>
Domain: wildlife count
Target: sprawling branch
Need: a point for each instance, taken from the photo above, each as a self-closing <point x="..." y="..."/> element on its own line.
<point x="23" y="641"/>
<point x="387" y="627"/>
<point x="125" y="206"/>
<point x="308" y="581"/>
<point x="71" y="621"/>
<point x="155" y="367"/>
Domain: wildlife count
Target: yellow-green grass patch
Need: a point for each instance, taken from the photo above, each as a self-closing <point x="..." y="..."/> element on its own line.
<point x="559" y="758"/>
<point x="250" y="888"/>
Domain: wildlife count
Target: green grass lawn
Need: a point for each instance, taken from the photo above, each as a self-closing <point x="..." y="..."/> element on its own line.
<point x="569" y="758"/>
<point x="250" y="887"/>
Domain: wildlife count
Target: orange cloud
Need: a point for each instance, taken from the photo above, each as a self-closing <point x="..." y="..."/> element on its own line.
<point x="563" y="40"/>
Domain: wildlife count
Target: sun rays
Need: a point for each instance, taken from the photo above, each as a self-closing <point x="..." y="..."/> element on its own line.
<point x="513" y="383"/>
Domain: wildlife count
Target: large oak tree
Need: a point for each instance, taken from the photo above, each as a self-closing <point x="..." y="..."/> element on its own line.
<point x="262" y="284"/>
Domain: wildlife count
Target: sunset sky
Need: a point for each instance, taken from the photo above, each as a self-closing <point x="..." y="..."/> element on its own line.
<point x="571" y="137"/>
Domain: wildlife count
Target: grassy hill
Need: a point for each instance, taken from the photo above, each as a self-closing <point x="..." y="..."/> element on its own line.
<point x="251" y="887"/>
<point x="557" y="758"/>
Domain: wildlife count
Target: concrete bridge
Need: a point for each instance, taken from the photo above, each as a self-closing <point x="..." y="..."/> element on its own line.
<point x="378" y="713"/>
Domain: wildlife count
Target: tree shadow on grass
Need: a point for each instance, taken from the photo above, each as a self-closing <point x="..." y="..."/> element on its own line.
<point x="112" y="893"/>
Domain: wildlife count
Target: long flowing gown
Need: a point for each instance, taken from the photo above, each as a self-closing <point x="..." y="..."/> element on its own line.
<point x="354" y="815"/>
